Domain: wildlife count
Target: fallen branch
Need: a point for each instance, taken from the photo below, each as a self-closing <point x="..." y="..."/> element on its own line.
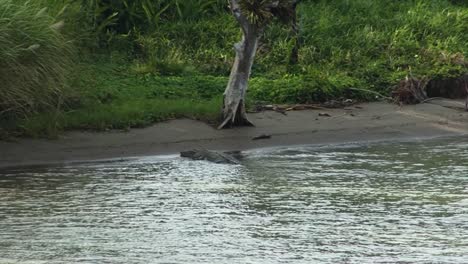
<point x="372" y="92"/>
<point x="285" y="108"/>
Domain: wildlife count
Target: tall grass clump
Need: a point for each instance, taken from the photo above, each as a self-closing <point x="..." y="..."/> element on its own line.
<point x="34" y="59"/>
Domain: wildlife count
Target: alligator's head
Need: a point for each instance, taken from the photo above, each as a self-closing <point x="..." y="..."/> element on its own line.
<point x="195" y="154"/>
<point x="188" y="153"/>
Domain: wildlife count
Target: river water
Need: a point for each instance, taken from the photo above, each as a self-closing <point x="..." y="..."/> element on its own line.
<point x="363" y="203"/>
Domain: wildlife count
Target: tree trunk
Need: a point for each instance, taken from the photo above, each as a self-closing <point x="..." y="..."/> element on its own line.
<point x="465" y="80"/>
<point x="294" y="58"/>
<point x="234" y="113"/>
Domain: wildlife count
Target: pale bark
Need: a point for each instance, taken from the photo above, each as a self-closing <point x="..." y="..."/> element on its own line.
<point x="234" y="113"/>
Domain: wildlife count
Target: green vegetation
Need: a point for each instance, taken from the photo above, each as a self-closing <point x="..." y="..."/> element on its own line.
<point x="140" y="62"/>
<point x="111" y="96"/>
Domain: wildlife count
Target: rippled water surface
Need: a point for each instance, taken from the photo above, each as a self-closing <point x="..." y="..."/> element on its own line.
<point x="378" y="203"/>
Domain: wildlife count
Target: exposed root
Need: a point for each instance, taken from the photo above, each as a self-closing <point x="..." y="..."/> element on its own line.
<point x="234" y="121"/>
<point x="237" y="118"/>
<point x="411" y="91"/>
<point x="414" y="91"/>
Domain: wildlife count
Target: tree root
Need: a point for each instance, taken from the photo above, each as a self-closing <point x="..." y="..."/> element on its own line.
<point x="232" y="121"/>
<point x="237" y="118"/>
<point x="411" y="91"/>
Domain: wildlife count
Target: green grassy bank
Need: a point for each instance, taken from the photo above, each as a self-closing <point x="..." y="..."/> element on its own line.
<point x="121" y="67"/>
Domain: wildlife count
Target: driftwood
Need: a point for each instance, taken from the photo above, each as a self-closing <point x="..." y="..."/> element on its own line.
<point x="283" y="108"/>
<point x="263" y="136"/>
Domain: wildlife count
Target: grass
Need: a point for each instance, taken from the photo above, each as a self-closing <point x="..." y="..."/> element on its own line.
<point x="380" y="42"/>
<point x="121" y="115"/>
<point x="112" y="96"/>
<point x="176" y="65"/>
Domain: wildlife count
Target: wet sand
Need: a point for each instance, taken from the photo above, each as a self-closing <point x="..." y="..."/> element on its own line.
<point x="359" y="123"/>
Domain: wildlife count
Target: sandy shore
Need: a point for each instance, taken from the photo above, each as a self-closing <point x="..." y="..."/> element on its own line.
<point x="364" y="122"/>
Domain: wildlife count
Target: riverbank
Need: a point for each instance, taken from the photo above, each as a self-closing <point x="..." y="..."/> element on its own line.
<point x="96" y="71"/>
<point x="359" y="123"/>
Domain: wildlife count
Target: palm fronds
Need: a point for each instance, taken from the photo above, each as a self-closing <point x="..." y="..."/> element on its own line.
<point x="260" y="12"/>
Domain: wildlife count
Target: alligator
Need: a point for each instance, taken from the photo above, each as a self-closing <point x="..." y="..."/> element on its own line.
<point x="212" y="156"/>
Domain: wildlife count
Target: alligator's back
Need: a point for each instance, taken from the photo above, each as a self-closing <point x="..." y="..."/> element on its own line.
<point x="213" y="156"/>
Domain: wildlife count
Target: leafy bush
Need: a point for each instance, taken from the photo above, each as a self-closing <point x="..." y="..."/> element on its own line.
<point x="316" y="86"/>
<point x="200" y="44"/>
<point x="380" y="42"/>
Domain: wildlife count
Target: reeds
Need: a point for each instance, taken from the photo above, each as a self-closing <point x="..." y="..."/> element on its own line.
<point x="34" y="59"/>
